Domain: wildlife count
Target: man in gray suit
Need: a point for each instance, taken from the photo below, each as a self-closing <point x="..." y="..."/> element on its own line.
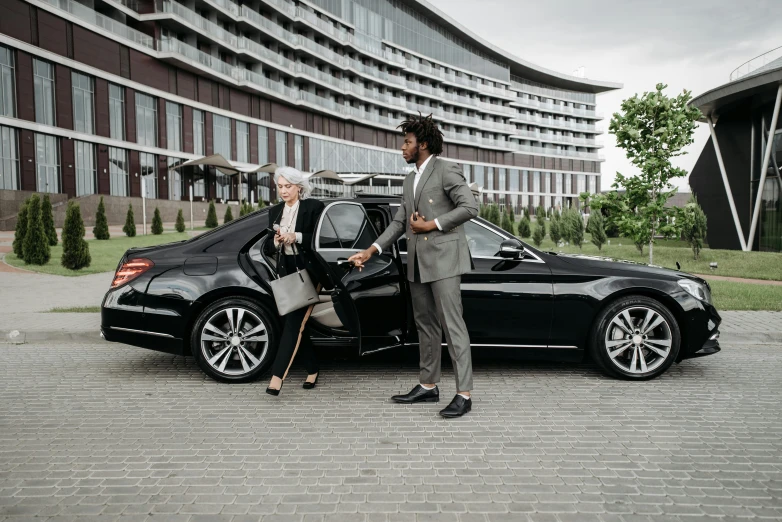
<point x="436" y="202"/>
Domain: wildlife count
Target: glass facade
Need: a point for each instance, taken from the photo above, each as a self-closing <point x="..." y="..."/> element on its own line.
<point x="345" y="158"/>
<point x="7" y="79"/>
<point x="116" y="112"/>
<point x="9" y="159"/>
<point x="173" y="126"/>
<point x="223" y="186"/>
<point x="199" y="135"/>
<point x="199" y="184"/>
<point x="84" y="154"/>
<point x="221" y="127"/>
<point x="770" y="216"/>
<point x="118" y="172"/>
<point x="146" y="120"/>
<point x="298" y="142"/>
<point x="47" y="162"/>
<point x="43" y="84"/>
<point x="281" y="148"/>
<point x="175" y="184"/>
<point x="148" y="164"/>
<point x="263" y="145"/>
<point x="242" y="142"/>
<point x="83" y="119"/>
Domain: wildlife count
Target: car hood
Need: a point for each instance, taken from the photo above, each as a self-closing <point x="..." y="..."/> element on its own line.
<point x="611" y="264"/>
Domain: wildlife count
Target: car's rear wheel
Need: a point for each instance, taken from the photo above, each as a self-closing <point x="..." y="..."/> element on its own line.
<point x="234" y="340"/>
<point x="635" y="338"/>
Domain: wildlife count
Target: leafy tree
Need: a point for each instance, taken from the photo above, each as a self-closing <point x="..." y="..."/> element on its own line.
<point x="693" y="221"/>
<point x="507" y="224"/>
<point x="228" y="215"/>
<point x="75" y="250"/>
<point x="242" y="209"/>
<point x="511" y="215"/>
<point x="36" y="245"/>
<point x="596" y="227"/>
<point x="130" y="223"/>
<point x="539" y="234"/>
<point x="211" y="216"/>
<point x="157" y="223"/>
<point x="555" y="228"/>
<point x="261" y="204"/>
<point x="540" y="213"/>
<point x="101" y="229"/>
<point x="21" y="230"/>
<point x="47" y="214"/>
<point x="572" y="226"/>
<point x="652" y="129"/>
<point x="526" y="212"/>
<point x="524" y="227"/>
<point x="180" y="222"/>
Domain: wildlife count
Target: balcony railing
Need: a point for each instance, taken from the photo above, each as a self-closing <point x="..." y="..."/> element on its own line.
<point x="766" y="61"/>
<point x="172" y="45"/>
<point x="556" y="138"/>
<point x="581" y="97"/>
<point x="200" y="22"/>
<point x="266" y="54"/>
<point x="551" y="122"/>
<point x="89" y="15"/>
<point x="226" y="5"/>
<point x="554" y="107"/>
<point x="321" y="24"/>
<point x="558" y="152"/>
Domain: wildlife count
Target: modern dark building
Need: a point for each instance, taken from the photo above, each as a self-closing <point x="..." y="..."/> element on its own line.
<point x="97" y="94"/>
<point x="737" y="176"/>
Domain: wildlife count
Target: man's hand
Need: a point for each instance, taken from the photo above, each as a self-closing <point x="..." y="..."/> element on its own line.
<point x="362" y="257"/>
<point x="419" y="225"/>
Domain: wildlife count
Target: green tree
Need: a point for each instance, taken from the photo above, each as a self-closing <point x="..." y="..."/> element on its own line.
<point x="242" y="209"/>
<point x="694" y="227"/>
<point x="511" y="215"/>
<point x="101" y="229"/>
<point x="524" y="227"/>
<point x="540" y="213"/>
<point x="211" y="216"/>
<point x="130" y="223"/>
<point x="261" y="204"/>
<point x="539" y="234"/>
<point x="507" y="224"/>
<point x="652" y="129"/>
<point x="36" y="245"/>
<point x="555" y="229"/>
<point x="157" y="223"/>
<point x="180" y="222"/>
<point x="21" y="230"/>
<point x="572" y="226"/>
<point x="47" y="214"/>
<point x="596" y="228"/>
<point x="75" y="250"/>
<point x="228" y="215"/>
<point x="526" y="212"/>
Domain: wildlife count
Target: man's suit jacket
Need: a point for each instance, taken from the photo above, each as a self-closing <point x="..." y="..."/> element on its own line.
<point x="442" y="193"/>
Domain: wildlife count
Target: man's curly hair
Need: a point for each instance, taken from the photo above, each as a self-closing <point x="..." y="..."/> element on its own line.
<point x="425" y="130"/>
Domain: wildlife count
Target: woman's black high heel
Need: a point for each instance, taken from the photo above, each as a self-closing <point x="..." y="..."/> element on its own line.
<point x="272" y="391"/>
<point x="310" y="385"/>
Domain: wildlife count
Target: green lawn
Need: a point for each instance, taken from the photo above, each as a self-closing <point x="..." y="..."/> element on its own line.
<point x="105" y="254"/>
<point x="75" y="309"/>
<point x="735" y="263"/>
<point x="728" y="295"/>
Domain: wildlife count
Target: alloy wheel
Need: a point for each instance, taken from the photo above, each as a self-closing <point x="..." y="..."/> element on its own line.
<point x="234" y="341"/>
<point x="638" y="340"/>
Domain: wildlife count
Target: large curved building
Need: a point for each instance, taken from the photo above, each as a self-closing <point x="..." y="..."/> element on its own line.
<point x="96" y="95"/>
<point x="738" y="176"/>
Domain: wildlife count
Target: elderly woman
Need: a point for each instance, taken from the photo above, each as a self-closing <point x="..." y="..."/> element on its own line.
<point x="294" y="220"/>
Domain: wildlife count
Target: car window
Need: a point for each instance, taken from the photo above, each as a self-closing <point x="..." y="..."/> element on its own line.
<point x="481" y="240"/>
<point x="346" y="226"/>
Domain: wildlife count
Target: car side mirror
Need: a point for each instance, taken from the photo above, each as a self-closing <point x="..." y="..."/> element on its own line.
<point x="512" y="249"/>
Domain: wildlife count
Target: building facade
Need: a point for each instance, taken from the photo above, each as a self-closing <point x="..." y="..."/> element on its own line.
<point x="738" y="176"/>
<point x="97" y="95"/>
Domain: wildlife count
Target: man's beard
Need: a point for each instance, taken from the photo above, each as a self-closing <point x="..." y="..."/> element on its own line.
<point x="413" y="159"/>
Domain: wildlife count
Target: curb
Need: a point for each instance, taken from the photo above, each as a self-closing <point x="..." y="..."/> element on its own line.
<point x="732" y="338"/>
<point x="33" y="337"/>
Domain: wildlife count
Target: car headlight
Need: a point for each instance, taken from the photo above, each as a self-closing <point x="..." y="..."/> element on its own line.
<point x="695" y="289"/>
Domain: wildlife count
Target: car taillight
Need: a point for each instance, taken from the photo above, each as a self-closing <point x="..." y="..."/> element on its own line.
<point x="130" y="270"/>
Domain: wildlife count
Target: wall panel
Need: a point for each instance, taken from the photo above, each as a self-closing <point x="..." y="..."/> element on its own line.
<point x="95" y="50"/>
<point x="147" y="70"/>
<point x="101" y="101"/>
<point x="63" y="97"/>
<point x="25" y="99"/>
<point x="52" y="33"/>
<point x="15" y="20"/>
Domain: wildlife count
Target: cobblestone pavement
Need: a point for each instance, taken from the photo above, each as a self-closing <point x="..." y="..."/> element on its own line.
<point x="117" y="433"/>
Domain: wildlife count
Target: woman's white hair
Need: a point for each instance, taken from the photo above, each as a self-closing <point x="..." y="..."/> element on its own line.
<point x="296" y="177"/>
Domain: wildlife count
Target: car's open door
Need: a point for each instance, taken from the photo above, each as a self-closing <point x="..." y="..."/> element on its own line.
<point x="369" y="303"/>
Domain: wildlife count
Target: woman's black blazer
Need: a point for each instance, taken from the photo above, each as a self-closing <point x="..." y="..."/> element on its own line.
<point x="306" y="223"/>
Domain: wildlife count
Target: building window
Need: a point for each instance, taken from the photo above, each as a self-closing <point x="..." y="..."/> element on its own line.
<point x="47" y="162"/>
<point x="198" y="133"/>
<point x="146" y="120"/>
<point x="281" y="146"/>
<point x="43" y="84"/>
<point x="116" y="112"/>
<point x="479" y="176"/>
<point x="501" y="178"/>
<point x="536" y="182"/>
<point x="174" y="179"/>
<point x="298" y="143"/>
<point x="242" y="141"/>
<point x="149" y="174"/>
<point x="263" y="145"/>
<point x="567" y="183"/>
<point x="223" y="186"/>
<point x="7" y="105"/>
<point x="222" y="136"/>
<point x="490" y="182"/>
<point x="514" y="180"/>
<point x="118" y="172"/>
<point x="558" y="177"/>
<point x="199" y="186"/>
<point x="173" y="126"/>
<point x="83" y="120"/>
<point x="466" y="171"/>
<point x="9" y="159"/>
<point x="85" y="168"/>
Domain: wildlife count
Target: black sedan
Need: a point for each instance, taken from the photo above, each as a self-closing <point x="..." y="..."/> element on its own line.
<point x="210" y="297"/>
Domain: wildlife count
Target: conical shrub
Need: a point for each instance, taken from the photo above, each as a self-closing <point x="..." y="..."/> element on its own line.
<point x="47" y="215"/>
<point x="157" y="223"/>
<point x="524" y="227"/>
<point x="539" y="234"/>
<point x="101" y="229"/>
<point x="75" y="250"/>
<point x="180" y="221"/>
<point x="211" y="216"/>
<point x="36" y="244"/>
<point x="228" y="215"/>
<point x="21" y="230"/>
<point x="261" y="204"/>
<point x="130" y="223"/>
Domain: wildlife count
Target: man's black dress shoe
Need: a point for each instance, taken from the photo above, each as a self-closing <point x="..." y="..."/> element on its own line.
<point x="418" y="394"/>
<point x="458" y="407"/>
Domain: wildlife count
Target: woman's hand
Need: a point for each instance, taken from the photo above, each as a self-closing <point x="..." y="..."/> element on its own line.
<point x="288" y="238"/>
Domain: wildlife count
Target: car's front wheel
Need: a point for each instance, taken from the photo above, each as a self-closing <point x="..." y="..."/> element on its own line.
<point x="234" y="340"/>
<point x="635" y="338"/>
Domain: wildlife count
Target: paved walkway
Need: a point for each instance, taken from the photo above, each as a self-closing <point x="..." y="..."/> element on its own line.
<point x="740" y="280"/>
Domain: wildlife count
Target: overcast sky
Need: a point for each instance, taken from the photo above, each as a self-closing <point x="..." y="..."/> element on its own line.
<point x="687" y="44"/>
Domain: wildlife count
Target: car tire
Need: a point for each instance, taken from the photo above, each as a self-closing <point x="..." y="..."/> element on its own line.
<point x="234" y="340"/>
<point x="635" y="338"/>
